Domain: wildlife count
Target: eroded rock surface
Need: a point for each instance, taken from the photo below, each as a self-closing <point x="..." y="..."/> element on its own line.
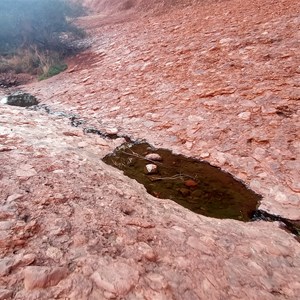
<point x="218" y="80"/>
<point x="76" y="228"/>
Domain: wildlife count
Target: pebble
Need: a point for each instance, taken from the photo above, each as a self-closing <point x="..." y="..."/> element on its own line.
<point x="185" y="192"/>
<point x="190" y="183"/>
<point x="151" y="169"/>
<point x="245" y="115"/>
<point x="111" y="130"/>
<point x="26" y="171"/>
<point x="153" y="156"/>
<point x="204" y="155"/>
<point x="5" y="266"/>
<point x="54" y="253"/>
<point x="147" y="251"/>
<point x="13" y="197"/>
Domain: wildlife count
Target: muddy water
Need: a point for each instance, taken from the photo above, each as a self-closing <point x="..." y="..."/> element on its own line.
<point x="194" y="184"/>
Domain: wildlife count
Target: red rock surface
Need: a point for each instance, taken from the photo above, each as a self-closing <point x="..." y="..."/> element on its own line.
<point x="72" y="227"/>
<point x="217" y="80"/>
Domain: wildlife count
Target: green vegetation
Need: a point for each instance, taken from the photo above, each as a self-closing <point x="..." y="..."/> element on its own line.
<point x="53" y="70"/>
<point x="36" y="35"/>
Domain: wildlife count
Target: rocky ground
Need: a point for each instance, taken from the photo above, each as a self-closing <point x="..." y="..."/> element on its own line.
<point x="217" y="81"/>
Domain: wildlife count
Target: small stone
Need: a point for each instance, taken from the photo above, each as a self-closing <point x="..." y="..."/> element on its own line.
<point x="58" y="171"/>
<point x="220" y="157"/>
<point x="111" y="130"/>
<point x="190" y="183"/>
<point x="79" y="240"/>
<point x="109" y="295"/>
<point x="245" y="115"/>
<point x="13" y="197"/>
<point x="82" y="144"/>
<point x="189" y="145"/>
<point x="184" y="192"/>
<point x="147" y="251"/>
<point x="72" y="133"/>
<point x="26" y="171"/>
<point x="204" y="155"/>
<point x="26" y="260"/>
<point x="115" y="108"/>
<point x="151" y="169"/>
<point x="226" y="40"/>
<point x="86" y="79"/>
<point x="5" y="266"/>
<point x="43" y="277"/>
<point x="100" y="141"/>
<point x="153" y="156"/>
<point x="54" y="253"/>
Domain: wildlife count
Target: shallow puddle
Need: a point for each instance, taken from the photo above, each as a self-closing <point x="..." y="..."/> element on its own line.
<point x="194" y="184"/>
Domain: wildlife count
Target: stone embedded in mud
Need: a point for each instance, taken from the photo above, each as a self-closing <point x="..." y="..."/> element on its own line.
<point x="153" y="156"/>
<point x="190" y="183"/>
<point x="184" y="191"/>
<point x="21" y="99"/>
<point x="151" y="169"/>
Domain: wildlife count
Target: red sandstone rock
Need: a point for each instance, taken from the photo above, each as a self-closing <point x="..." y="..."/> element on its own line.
<point x="217" y="80"/>
<point x="214" y="94"/>
<point x="36" y="277"/>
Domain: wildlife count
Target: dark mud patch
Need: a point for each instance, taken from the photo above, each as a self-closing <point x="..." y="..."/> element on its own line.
<point x="20" y="99"/>
<point x="194" y="184"/>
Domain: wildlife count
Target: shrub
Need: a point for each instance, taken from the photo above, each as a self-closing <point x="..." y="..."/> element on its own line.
<point x="37" y="34"/>
<point x="53" y="70"/>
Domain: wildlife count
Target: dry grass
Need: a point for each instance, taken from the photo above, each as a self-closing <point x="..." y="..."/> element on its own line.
<point x="32" y="61"/>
